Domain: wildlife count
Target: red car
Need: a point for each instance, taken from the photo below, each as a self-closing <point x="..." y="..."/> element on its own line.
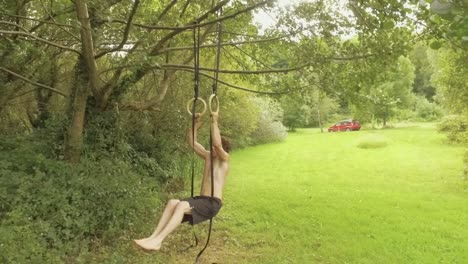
<point x="345" y="125"/>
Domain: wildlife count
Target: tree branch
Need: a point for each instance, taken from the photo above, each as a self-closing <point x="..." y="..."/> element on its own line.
<point x="282" y="70"/>
<point x="252" y="57"/>
<point x="191" y="25"/>
<point x="37" y="20"/>
<point x="151" y="104"/>
<point x="43" y="21"/>
<point x="13" y="24"/>
<point x="39" y="39"/>
<point x="53" y="19"/>
<point x="241" y="88"/>
<point x="128" y="26"/>
<point x="87" y="46"/>
<point x="162" y="51"/>
<point x="184" y="67"/>
<point x="33" y="82"/>
<point x="166" y="9"/>
<point x="107" y="89"/>
<point x="156" y="48"/>
<point x="19" y="95"/>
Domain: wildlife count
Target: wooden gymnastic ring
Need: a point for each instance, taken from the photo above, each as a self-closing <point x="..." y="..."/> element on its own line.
<point x="193" y="100"/>
<point x="210" y="103"/>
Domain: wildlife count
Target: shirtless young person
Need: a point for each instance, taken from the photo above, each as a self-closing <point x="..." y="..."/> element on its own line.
<point x="200" y="208"/>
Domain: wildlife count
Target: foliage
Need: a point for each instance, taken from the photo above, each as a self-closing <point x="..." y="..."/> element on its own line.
<point x="394" y="91"/>
<point x="51" y="211"/>
<point x="452" y="84"/>
<point x="425" y="110"/>
<point x="238" y="118"/>
<point x="452" y="79"/>
<point x="327" y="107"/>
<point x="126" y="106"/>
<point x="446" y="22"/>
<point x="422" y="110"/>
<point x="296" y="112"/>
<point x="456" y="128"/>
<point x="423" y="70"/>
<point x="269" y="127"/>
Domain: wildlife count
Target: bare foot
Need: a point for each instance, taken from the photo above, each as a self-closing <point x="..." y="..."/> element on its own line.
<point x="148" y="243"/>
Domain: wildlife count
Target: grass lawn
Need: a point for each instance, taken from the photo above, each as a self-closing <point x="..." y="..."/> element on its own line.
<point x="318" y="198"/>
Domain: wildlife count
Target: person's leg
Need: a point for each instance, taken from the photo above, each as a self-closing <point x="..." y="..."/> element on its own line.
<point x="167" y="214"/>
<point x="154" y="243"/>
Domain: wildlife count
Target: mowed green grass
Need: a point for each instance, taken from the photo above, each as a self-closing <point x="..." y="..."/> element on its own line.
<point x="318" y="198"/>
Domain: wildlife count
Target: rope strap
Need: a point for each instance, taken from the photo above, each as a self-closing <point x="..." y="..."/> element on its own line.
<point x="196" y="55"/>
<point x="213" y="95"/>
<point x="196" y="58"/>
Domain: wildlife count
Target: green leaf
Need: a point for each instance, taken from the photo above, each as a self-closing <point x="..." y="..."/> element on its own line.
<point x="435" y="45"/>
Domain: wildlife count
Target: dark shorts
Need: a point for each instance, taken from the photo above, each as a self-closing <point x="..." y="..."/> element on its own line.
<point x="203" y="208"/>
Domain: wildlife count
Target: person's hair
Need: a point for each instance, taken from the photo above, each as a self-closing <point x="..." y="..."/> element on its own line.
<point x="226" y="144"/>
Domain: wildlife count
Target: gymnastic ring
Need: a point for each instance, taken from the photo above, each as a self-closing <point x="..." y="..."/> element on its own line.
<point x="210" y="103"/>
<point x="193" y="100"/>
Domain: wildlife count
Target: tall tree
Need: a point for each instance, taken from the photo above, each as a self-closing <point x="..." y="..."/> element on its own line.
<point x="452" y="79"/>
<point x="117" y="45"/>
<point x="423" y="72"/>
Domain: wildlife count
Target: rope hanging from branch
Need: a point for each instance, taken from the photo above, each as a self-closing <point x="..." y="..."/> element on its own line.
<point x="213" y="96"/>
<point x="196" y="66"/>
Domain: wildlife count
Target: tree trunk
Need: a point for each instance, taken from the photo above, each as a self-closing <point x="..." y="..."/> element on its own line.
<point x="318" y="110"/>
<point x="385" y="117"/>
<point x="87" y="46"/>
<point x="86" y="80"/>
<point x="74" y="142"/>
<point x="373" y="120"/>
<point x="43" y="96"/>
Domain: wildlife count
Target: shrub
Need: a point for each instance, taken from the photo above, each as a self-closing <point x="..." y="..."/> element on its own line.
<point x="372" y="141"/>
<point x="51" y="211"/>
<point x="296" y="112"/>
<point x="269" y="127"/>
<point x="238" y="119"/>
<point x="426" y="111"/>
<point x="455" y="127"/>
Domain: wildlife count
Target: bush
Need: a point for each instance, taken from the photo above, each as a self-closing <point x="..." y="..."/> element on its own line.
<point x="426" y="111"/>
<point x="238" y="118"/>
<point x="51" y="211"/>
<point x="269" y="127"/>
<point x="296" y="112"/>
<point x="372" y="141"/>
<point x="456" y="128"/>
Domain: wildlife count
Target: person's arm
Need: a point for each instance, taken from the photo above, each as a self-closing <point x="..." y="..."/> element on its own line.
<point x="216" y="138"/>
<point x="192" y="139"/>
